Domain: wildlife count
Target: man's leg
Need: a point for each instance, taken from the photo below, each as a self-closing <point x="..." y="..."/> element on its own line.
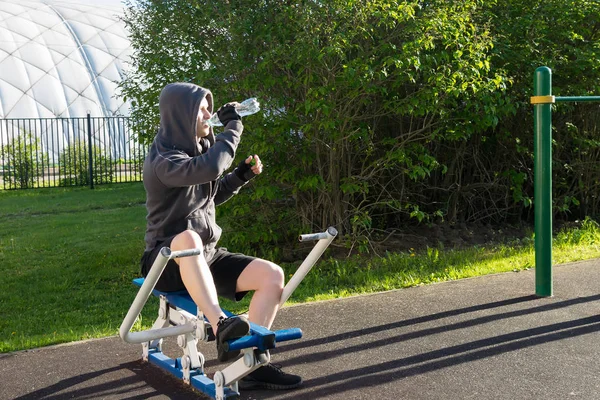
<point x="266" y="279"/>
<point x="197" y="278"/>
<point x="198" y="281"/>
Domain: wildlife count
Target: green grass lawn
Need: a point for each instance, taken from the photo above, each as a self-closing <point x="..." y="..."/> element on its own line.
<point x="67" y="258"/>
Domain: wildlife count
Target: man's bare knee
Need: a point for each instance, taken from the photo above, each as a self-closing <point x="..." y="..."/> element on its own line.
<point x="273" y="277"/>
<point x="186" y="240"/>
<point x="279" y="276"/>
<point x="261" y="275"/>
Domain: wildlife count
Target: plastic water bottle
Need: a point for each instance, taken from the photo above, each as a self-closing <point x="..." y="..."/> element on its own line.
<point x="247" y="107"/>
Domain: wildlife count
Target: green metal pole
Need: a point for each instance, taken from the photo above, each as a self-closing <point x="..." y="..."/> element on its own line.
<point x="543" y="183"/>
<point x="577" y="98"/>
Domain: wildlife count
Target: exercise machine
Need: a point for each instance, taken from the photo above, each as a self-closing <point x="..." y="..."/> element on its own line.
<point x="178" y="316"/>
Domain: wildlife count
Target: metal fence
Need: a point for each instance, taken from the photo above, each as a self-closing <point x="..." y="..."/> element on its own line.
<point x="81" y="151"/>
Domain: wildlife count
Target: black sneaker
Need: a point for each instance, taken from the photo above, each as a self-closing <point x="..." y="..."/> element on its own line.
<point x="269" y="376"/>
<point x="230" y="328"/>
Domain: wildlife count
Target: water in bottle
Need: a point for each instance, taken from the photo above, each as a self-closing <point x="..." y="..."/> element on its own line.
<point x="246" y="107"/>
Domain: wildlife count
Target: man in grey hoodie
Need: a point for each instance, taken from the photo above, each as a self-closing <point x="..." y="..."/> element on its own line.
<point x="184" y="176"/>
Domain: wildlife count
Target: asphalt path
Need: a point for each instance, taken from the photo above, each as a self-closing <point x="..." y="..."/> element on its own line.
<point x="482" y="338"/>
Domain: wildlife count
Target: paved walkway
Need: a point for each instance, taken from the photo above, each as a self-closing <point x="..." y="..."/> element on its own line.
<point x="480" y="338"/>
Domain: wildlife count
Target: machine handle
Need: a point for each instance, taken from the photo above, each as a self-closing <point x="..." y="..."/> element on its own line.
<point x="141" y="298"/>
<point x="325" y="238"/>
<point x="331" y="231"/>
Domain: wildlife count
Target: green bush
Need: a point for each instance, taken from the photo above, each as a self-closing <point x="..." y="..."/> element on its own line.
<point x="74" y="165"/>
<point x="381" y="114"/>
<point x="22" y="159"/>
<point x="353" y="93"/>
<point x="137" y="155"/>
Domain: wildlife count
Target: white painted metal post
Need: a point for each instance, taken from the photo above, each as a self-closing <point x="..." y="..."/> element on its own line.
<point x="141" y="298"/>
<point x="325" y="238"/>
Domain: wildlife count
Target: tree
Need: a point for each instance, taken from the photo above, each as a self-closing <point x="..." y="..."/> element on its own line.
<point x="23" y="161"/>
<point x="75" y="161"/>
<point x="354" y="93"/>
<point x="565" y="36"/>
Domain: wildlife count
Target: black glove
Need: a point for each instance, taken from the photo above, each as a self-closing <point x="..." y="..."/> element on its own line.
<point x="244" y="171"/>
<point x="228" y="113"/>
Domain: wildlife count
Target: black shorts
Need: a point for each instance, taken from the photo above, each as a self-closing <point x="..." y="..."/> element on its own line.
<point x="225" y="268"/>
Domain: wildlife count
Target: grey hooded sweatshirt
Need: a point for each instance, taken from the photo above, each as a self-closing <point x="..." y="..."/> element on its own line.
<point x="183" y="175"/>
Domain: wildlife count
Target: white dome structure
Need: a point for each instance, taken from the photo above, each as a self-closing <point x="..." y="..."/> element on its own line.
<point x="61" y="62"/>
<point x="62" y="58"/>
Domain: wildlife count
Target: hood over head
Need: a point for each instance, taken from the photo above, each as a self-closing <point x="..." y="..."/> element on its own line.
<point x="179" y="104"/>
